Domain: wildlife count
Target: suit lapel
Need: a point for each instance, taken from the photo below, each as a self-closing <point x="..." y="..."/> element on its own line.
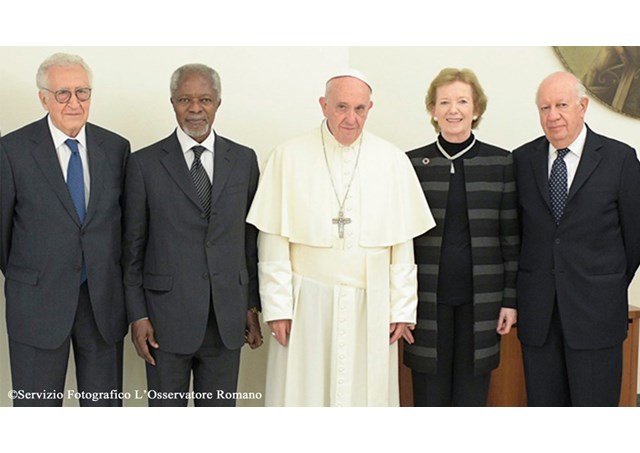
<point x="588" y="162"/>
<point x="97" y="161"/>
<point x="540" y="167"/>
<point x="44" y="153"/>
<point x="223" y="163"/>
<point x="176" y="166"/>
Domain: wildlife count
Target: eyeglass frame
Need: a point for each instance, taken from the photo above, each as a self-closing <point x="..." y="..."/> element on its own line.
<point x="56" y="94"/>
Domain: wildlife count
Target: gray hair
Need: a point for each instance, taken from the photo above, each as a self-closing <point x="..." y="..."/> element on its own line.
<point x="60" y="59"/>
<point x="581" y="91"/>
<point x="195" y="68"/>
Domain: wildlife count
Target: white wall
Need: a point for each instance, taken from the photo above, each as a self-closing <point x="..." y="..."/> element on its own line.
<point x="270" y="94"/>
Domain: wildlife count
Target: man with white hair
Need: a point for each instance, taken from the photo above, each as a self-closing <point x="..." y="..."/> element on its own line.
<point x="61" y="182"/>
<point x="579" y="202"/>
<point x="337" y="209"/>
<point x="190" y="272"/>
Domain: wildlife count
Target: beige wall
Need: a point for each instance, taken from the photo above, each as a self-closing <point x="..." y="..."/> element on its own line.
<point x="270" y="94"/>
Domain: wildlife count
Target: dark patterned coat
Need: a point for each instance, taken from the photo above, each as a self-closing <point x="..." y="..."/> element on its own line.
<point x="493" y="226"/>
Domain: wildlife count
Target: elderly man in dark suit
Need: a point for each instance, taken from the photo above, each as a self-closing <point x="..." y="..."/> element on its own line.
<point x="61" y="182"/>
<point x="190" y="259"/>
<point x="579" y="201"/>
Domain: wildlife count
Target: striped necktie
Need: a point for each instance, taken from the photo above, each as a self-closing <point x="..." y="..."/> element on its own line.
<point x="201" y="180"/>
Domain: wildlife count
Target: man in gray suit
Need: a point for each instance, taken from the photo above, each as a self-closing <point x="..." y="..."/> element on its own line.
<point x="61" y="181"/>
<point x="190" y="259"/>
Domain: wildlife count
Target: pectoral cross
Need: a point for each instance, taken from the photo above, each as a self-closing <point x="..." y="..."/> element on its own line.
<point x="341" y="221"/>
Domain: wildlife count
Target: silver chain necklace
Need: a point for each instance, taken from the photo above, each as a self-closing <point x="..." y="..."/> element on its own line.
<point x="341" y="220"/>
<point x="452" y="158"/>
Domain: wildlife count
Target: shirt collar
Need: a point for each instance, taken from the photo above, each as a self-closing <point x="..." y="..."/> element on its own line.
<point x="576" y="147"/>
<point x="60" y="137"/>
<point x="186" y="142"/>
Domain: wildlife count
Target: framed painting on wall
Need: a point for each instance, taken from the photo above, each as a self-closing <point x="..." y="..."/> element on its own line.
<point x="611" y="74"/>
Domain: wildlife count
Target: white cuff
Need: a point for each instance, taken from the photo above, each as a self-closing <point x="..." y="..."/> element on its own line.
<point x="404" y="292"/>
<point x="276" y="290"/>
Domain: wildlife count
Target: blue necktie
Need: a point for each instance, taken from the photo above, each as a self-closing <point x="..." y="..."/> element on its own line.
<point x="75" y="179"/>
<point x="75" y="183"/>
<point x="558" y="185"/>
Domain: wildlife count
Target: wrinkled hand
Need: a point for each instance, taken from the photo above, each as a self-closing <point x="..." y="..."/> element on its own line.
<point x="142" y="335"/>
<point x="253" y="335"/>
<point x="280" y="329"/>
<point x="399" y="330"/>
<point x="507" y="318"/>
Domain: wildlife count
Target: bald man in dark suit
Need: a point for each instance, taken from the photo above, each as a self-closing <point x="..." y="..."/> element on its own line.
<point x="579" y="201"/>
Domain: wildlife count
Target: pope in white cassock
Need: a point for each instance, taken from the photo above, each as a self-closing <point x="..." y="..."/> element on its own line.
<point x="337" y="210"/>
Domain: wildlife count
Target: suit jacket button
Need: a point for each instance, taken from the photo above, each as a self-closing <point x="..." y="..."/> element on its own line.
<point x="203" y="215"/>
<point x="205" y="276"/>
<point x="209" y="243"/>
<point x="558" y="241"/>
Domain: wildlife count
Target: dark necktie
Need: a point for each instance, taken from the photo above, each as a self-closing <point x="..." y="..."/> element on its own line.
<point x="75" y="183"/>
<point x="201" y="180"/>
<point x="558" y="185"/>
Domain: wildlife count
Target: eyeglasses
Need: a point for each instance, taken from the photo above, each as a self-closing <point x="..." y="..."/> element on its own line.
<point x="63" y="96"/>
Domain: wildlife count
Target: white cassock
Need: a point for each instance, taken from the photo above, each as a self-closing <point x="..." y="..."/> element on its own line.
<point x="340" y="293"/>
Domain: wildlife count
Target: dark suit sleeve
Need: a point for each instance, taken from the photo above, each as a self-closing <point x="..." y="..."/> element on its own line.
<point x="509" y="234"/>
<point x="629" y="211"/>
<point x="251" y="238"/>
<point x="7" y="201"/>
<point x="125" y="159"/>
<point x="135" y="240"/>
